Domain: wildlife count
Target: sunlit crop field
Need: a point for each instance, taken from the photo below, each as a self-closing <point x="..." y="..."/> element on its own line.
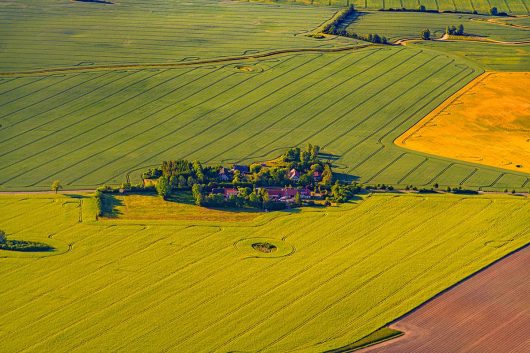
<point x="88" y="127"/>
<point x="492" y="108"/>
<point x="340" y="273"/>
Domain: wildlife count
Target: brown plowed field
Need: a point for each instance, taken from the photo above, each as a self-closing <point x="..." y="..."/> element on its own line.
<point x="488" y="313"/>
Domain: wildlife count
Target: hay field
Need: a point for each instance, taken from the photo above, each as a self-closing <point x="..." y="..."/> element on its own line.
<point x="487" y="122"/>
<point x="144" y="286"/>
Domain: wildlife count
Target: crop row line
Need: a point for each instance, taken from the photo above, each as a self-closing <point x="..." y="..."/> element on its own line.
<point x="162" y="300"/>
<point x="314" y="115"/>
<point x="115" y="159"/>
<point x="395" y="118"/>
<point x="375" y="276"/>
<point x="53" y="95"/>
<point x="210" y="111"/>
<point x="284" y="282"/>
<point x="73" y="302"/>
<point x="331" y="277"/>
<point x="232" y="288"/>
<point x="88" y="130"/>
<point x="49" y="121"/>
<point x="282" y="118"/>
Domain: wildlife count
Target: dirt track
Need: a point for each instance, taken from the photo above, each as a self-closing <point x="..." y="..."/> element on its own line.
<point x="489" y="312"/>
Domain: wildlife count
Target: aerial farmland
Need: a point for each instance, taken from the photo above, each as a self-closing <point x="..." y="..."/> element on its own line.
<point x="264" y="176"/>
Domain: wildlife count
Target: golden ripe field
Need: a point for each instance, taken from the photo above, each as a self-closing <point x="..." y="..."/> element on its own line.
<point x="487" y="122"/>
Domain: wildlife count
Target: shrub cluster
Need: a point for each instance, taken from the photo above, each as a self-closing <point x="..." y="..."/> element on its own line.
<point x="452" y="30"/>
<point x="21" y="245"/>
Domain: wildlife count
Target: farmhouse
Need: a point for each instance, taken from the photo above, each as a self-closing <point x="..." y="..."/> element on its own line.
<point x="243" y="169"/>
<point x="224" y="174"/>
<point x="294" y="175"/>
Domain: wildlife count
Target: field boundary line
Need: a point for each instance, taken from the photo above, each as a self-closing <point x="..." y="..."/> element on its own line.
<point x="181" y="64"/>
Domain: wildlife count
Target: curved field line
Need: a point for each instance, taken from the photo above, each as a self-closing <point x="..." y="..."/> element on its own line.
<point x="333" y="277"/>
<point x="432" y="74"/>
<point x="77" y="122"/>
<point x="73" y="302"/>
<point x="411" y="115"/>
<point x="114" y="160"/>
<point x="313" y="116"/>
<point x="210" y="111"/>
<point x="142" y="118"/>
<point x="383" y="146"/>
<point x="184" y="64"/>
<point x="89" y="130"/>
<point x="297" y="274"/>
<point x="160" y="301"/>
<point x="49" y="274"/>
<point x="500" y="22"/>
<point x="381" y="108"/>
<point x="367" y="281"/>
<point x="278" y="263"/>
<point x="282" y="118"/>
<point x="471" y="261"/>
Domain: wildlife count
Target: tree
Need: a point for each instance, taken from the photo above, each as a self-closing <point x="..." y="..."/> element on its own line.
<point x="196" y="191"/>
<point x="297" y="199"/>
<point x="3" y="237"/>
<point x="162" y="187"/>
<point x="425" y="34"/>
<point x="460" y="30"/>
<point x="56" y="186"/>
<point x="494" y="11"/>
<point x="422" y="8"/>
<point x="327" y="176"/>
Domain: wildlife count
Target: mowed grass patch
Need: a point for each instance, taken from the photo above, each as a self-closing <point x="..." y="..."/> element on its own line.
<point x="182" y="287"/>
<point x="179" y="207"/>
<point x="494" y="107"/>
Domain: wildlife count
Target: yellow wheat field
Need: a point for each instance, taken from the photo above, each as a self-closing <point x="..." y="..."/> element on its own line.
<point x="487" y="122"/>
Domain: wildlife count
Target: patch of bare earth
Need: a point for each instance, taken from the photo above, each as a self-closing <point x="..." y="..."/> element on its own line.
<point x="490" y="312"/>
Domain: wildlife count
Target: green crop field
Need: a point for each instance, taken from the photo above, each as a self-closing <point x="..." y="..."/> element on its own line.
<point x="481" y="6"/>
<point x="100" y="122"/>
<point x="398" y="25"/>
<point x="197" y="285"/>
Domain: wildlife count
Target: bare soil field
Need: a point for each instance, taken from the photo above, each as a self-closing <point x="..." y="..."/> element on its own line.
<point x="487" y="122"/>
<point x="488" y="313"/>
